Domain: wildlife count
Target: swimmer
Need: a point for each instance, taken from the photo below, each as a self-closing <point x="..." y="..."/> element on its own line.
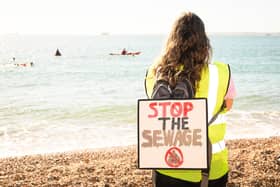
<point x="25" y="64"/>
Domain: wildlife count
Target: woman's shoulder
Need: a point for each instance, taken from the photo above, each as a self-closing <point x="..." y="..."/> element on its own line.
<point x="219" y="63"/>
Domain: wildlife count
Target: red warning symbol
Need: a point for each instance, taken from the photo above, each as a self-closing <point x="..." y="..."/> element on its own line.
<point x="174" y="157"/>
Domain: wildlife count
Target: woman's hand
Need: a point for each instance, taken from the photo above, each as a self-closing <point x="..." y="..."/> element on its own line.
<point x="228" y="103"/>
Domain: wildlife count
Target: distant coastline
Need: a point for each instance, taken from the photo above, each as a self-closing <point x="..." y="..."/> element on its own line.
<point x="244" y="33"/>
<point x="142" y="34"/>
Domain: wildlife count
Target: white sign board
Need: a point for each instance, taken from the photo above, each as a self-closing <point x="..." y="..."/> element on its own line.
<point x="172" y="134"/>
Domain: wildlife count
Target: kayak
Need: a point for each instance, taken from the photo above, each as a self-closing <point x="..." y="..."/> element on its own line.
<point x="127" y="54"/>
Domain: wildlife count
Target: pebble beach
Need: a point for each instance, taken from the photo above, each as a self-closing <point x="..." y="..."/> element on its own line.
<point x="253" y="163"/>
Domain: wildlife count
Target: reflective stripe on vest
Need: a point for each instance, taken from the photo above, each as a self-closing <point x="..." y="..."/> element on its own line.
<point x="220" y="119"/>
<point x="212" y="91"/>
<point x="213" y="86"/>
<point x="218" y="147"/>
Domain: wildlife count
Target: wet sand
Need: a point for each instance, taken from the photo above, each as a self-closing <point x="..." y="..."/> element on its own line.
<point x="253" y="162"/>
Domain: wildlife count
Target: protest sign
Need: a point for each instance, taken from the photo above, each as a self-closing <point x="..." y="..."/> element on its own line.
<point x="172" y="134"/>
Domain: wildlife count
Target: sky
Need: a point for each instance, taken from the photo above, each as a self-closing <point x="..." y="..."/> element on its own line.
<point x="134" y="16"/>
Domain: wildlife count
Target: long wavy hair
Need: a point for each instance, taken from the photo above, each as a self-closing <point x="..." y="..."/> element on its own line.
<point x="187" y="51"/>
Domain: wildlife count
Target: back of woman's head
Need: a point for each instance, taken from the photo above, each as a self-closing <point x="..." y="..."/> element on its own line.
<point x="187" y="50"/>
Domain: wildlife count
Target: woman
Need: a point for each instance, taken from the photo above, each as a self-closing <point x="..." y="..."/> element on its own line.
<point x="187" y="55"/>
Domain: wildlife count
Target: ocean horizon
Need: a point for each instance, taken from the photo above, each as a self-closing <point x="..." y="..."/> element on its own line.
<point x="87" y="99"/>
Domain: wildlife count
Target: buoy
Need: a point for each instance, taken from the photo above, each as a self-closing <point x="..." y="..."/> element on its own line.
<point x="57" y="53"/>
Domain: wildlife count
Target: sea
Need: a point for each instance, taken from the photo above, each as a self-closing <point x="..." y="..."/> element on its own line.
<point x="87" y="99"/>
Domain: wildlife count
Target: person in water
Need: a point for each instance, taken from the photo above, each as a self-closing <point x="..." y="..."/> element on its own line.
<point x="25" y="64"/>
<point x="124" y="52"/>
<point x="187" y="55"/>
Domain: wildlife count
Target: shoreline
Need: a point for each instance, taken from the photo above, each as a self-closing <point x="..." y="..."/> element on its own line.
<point x="253" y="162"/>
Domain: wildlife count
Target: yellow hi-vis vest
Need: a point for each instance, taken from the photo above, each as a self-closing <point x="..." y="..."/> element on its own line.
<point x="213" y="86"/>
